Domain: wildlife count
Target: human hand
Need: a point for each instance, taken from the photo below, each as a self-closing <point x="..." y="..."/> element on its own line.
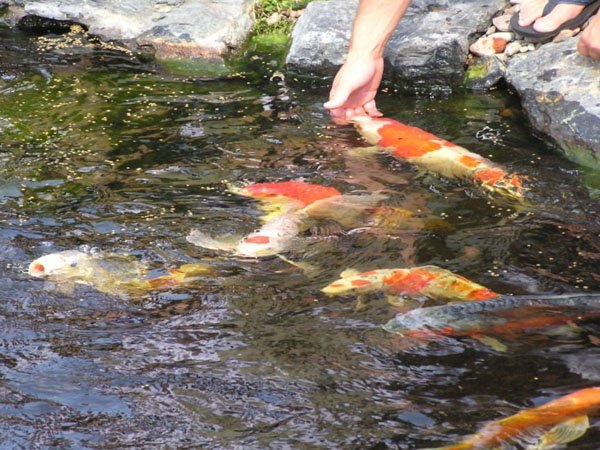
<point x="589" y="41"/>
<point x="354" y="88"/>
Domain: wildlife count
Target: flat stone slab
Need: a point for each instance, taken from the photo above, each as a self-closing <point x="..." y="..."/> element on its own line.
<point x="177" y="29"/>
<point x="560" y="91"/>
<point x="430" y="44"/>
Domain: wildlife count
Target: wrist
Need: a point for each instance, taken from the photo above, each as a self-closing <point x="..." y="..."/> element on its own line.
<point x="363" y="55"/>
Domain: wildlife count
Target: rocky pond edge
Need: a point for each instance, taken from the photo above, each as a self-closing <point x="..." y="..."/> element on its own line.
<point x="438" y="43"/>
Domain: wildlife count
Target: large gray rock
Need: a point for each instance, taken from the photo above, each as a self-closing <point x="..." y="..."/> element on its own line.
<point x="176" y="29"/>
<point x="431" y="43"/>
<point x="560" y="91"/>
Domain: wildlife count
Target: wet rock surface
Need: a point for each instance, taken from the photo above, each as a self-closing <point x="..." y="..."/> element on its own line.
<point x="485" y="73"/>
<point x="176" y="29"/>
<point x="430" y="44"/>
<point x="560" y="92"/>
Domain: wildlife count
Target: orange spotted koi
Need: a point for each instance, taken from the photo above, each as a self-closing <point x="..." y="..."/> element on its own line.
<point x="425" y="281"/>
<point x="557" y="422"/>
<point x="437" y="155"/>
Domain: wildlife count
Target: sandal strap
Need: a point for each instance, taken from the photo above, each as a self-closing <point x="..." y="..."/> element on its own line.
<point x="552" y="4"/>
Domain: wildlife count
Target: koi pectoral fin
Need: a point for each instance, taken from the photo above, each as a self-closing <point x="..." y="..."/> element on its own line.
<point x="192" y="270"/>
<point x="310" y="271"/>
<point x="361" y="303"/>
<point x="491" y="342"/>
<point x="454" y="447"/>
<point x="363" y="152"/>
<point x="203" y="240"/>
<point x="563" y="433"/>
<point x="400" y="301"/>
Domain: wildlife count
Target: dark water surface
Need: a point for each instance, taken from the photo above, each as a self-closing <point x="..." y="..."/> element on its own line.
<point x="99" y="150"/>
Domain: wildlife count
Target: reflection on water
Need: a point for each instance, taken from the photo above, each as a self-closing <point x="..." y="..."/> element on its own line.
<point x="101" y="151"/>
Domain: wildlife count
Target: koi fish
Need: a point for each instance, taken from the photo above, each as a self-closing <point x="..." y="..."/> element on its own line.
<point x="110" y="273"/>
<point x="425" y="281"/>
<point x="273" y="237"/>
<point x="497" y="316"/>
<point x="560" y="421"/>
<point x="289" y="206"/>
<point x="298" y="193"/>
<point x="437" y="155"/>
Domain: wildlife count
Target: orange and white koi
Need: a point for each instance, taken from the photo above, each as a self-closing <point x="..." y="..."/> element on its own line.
<point x="557" y="422"/>
<point x="289" y="206"/>
<point x="274" y="237"/>
<point x="286" y="192"/>
<point x="425" y="281"/>
<point x="110" y="273"/>
<point x="437" y="155"/>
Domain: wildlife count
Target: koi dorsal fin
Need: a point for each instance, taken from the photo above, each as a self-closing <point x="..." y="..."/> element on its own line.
<point x="348" y="273"/>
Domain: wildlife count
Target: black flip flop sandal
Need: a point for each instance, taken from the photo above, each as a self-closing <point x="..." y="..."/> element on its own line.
<point x="532" y="35"/>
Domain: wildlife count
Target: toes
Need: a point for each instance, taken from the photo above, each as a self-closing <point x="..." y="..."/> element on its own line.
<point x="531" y="10"/>
<point x="559" y="15"/>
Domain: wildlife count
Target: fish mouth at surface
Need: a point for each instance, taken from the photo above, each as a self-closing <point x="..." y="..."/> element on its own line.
<point x="37" y="269"/>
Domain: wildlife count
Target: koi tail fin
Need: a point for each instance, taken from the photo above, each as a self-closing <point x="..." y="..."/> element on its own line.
<point x="183" y="274"/>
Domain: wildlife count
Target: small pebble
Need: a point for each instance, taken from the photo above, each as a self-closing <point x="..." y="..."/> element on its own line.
<point x="512" y="48"/>
<point x="502" y="23"/>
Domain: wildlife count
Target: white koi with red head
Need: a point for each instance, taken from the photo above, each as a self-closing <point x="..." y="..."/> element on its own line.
<point x="57" y="264"/>
<point x="108" y="273"/>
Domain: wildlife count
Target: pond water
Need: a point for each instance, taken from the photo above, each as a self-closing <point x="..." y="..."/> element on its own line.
<point x="101" y="151"/>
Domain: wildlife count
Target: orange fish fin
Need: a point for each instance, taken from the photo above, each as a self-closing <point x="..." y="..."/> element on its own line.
<point x="491" y="342"/>
<point x="162" y="282"/>
<point x="563" y="433"/>
<point x="361" y="303"/>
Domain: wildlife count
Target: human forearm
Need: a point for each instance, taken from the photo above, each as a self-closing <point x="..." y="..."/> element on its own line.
<point x="374" y="23"/>
<point x="356" y="83"/>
